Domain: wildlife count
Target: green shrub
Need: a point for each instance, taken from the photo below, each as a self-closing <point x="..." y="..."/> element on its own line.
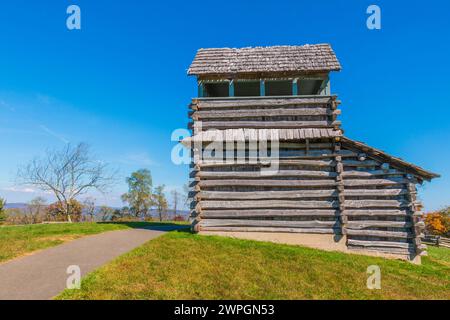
<point x="2" y="210"/>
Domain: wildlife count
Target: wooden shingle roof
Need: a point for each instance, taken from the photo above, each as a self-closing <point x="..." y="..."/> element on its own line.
<point x="383" y="156"/>
<point x="306" y="58"/>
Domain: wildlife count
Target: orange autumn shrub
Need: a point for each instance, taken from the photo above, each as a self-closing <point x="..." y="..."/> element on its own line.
<point x="438" y="223"/>
<point x="55" y="211"/>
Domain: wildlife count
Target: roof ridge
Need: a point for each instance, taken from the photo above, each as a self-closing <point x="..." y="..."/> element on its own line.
<point x="268" y="46"/>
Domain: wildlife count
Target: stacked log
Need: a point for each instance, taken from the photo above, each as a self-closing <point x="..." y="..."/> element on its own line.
<point x="340" y="186"/>
<point x="378" y="207"/>
<point x="323" y="185"/>
<point x="300" y="198"/>
<point x="257" y="113"/>
<point x="417" y="219"/>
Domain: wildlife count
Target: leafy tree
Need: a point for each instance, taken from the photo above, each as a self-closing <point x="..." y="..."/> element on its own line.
<point x="160" y="201"/>
<point x="67" y="173"/>
<point x="438" y="223"/>
<point x="125" y="212"/>
<point x="117" y="215"/>
<point x="2" y="210"/>
<point x="139" y="195"/>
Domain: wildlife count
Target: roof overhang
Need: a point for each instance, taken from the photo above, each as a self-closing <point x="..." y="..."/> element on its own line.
<point x="318" y="58"/>
<point x="384" y="157"/>
<point x="245" y="135"/>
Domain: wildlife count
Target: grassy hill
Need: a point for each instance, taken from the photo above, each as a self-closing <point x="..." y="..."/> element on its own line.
<point x="180" y="265"/>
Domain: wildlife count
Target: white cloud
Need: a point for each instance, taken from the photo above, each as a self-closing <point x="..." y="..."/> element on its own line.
<point x="25" y="189"/>
<point x="20" y="189"/>
<point x="54" y="134"/>
<point x="140" y="159"/>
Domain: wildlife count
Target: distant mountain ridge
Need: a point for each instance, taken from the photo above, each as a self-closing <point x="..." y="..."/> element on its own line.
<point x="15" y="205"/>
<point x="153" y="212"/>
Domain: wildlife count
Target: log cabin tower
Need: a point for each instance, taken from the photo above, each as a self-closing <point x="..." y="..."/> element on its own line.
<point x="326" y="187"/>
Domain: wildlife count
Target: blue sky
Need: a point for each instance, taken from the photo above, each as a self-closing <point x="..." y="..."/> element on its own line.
<point x="120" y="82"/>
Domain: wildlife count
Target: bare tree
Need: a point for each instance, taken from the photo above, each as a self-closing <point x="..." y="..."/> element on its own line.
<point x="67" y="173"/>
<point x="35" y="209"/>
<point x="89" y="208"/>
<point x="106" y="213"/>
<point x="160" y="201"/>
<point x="175" y="200"/>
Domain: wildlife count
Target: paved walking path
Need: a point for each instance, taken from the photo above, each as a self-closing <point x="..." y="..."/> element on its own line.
<point x="44" y="274"/>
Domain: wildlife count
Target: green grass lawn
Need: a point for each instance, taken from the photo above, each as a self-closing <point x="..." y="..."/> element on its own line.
<point x="19" y="240"/>
<point x="180" y="265"/>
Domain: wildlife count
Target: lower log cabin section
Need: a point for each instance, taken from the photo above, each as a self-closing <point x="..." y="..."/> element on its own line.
<point x="326" y="184"/>
<point x="335" y="187"/>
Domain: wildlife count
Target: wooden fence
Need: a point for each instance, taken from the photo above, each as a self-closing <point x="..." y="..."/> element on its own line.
<point x="437" y="241"/>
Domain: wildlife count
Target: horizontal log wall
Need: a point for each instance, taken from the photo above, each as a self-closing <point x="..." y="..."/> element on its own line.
<point x="380" y="208"/>
<point x="301" y="198"/>
<point x="325" y="189"/>
<point x="322" y="185"/>
<point x="265" y="113"/>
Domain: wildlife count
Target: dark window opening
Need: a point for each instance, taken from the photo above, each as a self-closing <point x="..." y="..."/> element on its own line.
<point x="278" y="88"/>
<point x="252" y="88"/>
<point x="246" y="88"/>
<point x="309" y="87"/>
<point x="219" y="89"/>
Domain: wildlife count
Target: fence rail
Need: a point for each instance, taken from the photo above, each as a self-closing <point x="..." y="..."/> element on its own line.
<point x="437" y="241"/>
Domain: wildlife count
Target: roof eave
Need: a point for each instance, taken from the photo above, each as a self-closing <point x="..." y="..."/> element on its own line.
<point x="237" y="74"/>
<point x="407" y="166"/>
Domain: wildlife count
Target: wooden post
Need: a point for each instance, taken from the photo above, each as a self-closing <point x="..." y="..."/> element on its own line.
<point x="231" y="89"/>
<point x="418" y="225"/>
<point x="340" y="185"/>
<point x="262" y="88"/>
<point x="201" y="89"/>
<point x="328" y="87"/>
<point x="325" y="87"/>
<point x="197" y="210"/>
<point x="294" y="87"/>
